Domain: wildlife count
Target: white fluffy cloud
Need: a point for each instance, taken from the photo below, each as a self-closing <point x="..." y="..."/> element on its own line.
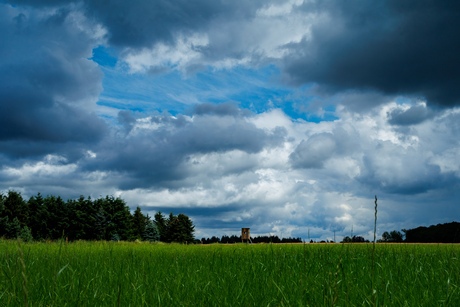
<point x="225" y="43"/>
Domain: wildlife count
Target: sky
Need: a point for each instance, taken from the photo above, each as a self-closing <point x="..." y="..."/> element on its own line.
<point x="286" y="117"/>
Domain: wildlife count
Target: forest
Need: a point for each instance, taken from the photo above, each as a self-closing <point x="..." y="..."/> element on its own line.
<point x="109" y="218"/>
<point x="440" y="233"/>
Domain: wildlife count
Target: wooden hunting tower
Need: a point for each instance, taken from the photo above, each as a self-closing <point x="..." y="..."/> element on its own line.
<point x="245" y="234"/>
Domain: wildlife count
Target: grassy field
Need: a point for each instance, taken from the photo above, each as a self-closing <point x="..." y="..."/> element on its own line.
<point x="142" y="274"/>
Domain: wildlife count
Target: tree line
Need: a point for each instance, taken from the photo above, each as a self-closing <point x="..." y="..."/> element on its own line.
<point x="108" y="218"/>
<point x="440" y="233"/>
<point x="258" y="239"/>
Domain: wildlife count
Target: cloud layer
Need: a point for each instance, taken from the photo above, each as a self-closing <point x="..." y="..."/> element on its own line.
<point x="386" y="75"/>
<point x="283" y="176"/>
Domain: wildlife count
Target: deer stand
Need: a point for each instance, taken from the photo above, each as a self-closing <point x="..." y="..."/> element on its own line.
<point x="245" y="235"/>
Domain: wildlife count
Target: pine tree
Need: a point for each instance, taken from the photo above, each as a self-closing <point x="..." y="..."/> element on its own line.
<point x="160" y="222"/>
<point x="58" y="217"/>
<point x="118" y="217"/>
<point x="171" y="229"/>
<point x="38" y="217"/>
<point x="100" y="224"/>
<point x="15" y="206"/>
<point x="83" y="221"/>
<point x="183" y="229"/>
<point x="151" y="232"/>
<point x="138" y="223"/>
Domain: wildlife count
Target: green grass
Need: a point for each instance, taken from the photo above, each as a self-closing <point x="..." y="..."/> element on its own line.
<point x="130" y="274"/>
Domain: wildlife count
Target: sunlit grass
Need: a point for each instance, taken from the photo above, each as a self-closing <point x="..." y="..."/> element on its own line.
<point x="142" y="274"/>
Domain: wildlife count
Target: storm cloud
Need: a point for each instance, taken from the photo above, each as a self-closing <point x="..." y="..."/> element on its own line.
<point x="48" y="95"/>
<point x="392" y="47"/>
<point x="141" y="23"/>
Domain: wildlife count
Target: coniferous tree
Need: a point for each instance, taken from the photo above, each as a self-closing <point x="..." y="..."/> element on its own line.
<point x="129" y="231"/>
<point x="107" y="218"/>
<point x="37" y="217"/>
<point x="84" y="219"/>
<point x="160" y="222"/>
<point x="15" y="206"/>
<point x="184" y="229"/>
<point x="171" y="228"/>
<point x="118" y="217"/>
<point x="100" y="224"/>
<point x="75" y="229"/>
<point x="151" y="232"/>
<point x="139" y="223"/>
<point x="109" y="211"/>
<point x="58" y="217"/>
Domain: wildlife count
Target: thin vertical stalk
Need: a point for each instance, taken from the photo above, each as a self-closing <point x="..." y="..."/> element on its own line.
<point x="375" y="220"/>
<point x="373" y="253"/>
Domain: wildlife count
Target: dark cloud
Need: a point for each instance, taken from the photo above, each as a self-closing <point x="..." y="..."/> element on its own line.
<point x="142" y="23"/>
<point x="412" y="116"/>
<point x="47" y="84"/>
<point x="27" y="151"/>
<point x="393" y="47"/>
<point x="209" y="134"/>
<point x="452" y="122"/>
<point x="154" y="156"/>
<point x="126" y="119"/>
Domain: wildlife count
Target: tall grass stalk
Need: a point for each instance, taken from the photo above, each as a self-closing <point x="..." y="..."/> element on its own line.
<point x="373" y="253"/>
